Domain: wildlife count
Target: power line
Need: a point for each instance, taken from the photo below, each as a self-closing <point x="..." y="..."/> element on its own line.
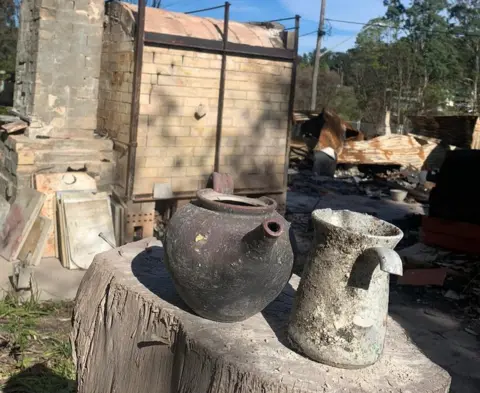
<point x="175" y="3"/>
<point x="312" y="32"/>
<point x="465" y="34"/>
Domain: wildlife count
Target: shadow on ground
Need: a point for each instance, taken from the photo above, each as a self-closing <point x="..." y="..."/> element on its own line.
<point x="441" y="337"/>
<point x="39" y="379"/>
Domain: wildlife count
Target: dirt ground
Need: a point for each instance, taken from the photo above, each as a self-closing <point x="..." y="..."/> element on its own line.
<point x="35" y="352"/>
<point x="439" y="328"/>
<point x="446" y="330"/>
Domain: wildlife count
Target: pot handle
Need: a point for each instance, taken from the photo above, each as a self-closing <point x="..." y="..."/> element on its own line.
<point x="388" y="259"/>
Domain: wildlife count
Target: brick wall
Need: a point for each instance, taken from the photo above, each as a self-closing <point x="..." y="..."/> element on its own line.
<point x="177" y="148"/>
<point x="58" y="65"/>
<point x="256" y="107"/>
<point x="115" y="87"/>
<point x="173" y="145"/>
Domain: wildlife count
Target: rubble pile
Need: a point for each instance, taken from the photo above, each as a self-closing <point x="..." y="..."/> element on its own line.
<point x="439" y="217"/>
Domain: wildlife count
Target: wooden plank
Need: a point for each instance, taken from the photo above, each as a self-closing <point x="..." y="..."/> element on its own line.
<point x="36" y="241"/>
<point x="423" y="277"/>
<point x="451" y="235"/>
<point x="86" y="216"/>
<point x="20" y="219"/>
<point x="49" y="184"/>
<point x="449" y="242"/>
<point x="14" y="127"/>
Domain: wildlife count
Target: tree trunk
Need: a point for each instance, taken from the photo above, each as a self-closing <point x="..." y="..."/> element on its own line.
<point x="476" y="80"/>
<point x="132" y="333"/>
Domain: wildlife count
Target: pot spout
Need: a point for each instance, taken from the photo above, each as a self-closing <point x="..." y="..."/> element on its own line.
<point x="272" y="228"/>
<point x="263" y="237"/>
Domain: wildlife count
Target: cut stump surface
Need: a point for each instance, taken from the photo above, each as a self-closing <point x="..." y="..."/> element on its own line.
<point x="132" y="333"/>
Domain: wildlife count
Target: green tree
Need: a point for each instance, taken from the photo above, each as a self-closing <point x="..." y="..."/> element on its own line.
<point x="8" y="34"/>
<point x="465" y="16"/>
<point x="434" y="48"/>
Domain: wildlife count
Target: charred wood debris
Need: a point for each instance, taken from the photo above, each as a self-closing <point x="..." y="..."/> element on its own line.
<point x="334" y="164"/>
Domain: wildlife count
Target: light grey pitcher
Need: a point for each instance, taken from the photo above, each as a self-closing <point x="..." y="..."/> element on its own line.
<point x="340" y="310"/>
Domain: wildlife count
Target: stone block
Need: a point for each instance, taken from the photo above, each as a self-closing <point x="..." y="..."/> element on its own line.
<point x="47" y="14"/>
<point x="185" y="184"/>
<point x="87" y="122"/>
<point x="175" y="171"/>
<point x="146" y="172"/>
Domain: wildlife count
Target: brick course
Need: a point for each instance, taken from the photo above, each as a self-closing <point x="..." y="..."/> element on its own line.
<point x="174" y="83"/>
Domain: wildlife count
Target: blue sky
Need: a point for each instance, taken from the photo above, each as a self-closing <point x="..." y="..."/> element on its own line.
<point x="258" y="10"/>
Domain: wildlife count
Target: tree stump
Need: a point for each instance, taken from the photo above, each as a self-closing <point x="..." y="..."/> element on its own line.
<point x="133" y="334"/>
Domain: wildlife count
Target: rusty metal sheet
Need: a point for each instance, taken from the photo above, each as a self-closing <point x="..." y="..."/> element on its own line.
<point x="176" y="23"/>
<point x="402" y="150"/>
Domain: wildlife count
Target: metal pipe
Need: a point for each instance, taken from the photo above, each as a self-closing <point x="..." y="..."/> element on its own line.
<point x="221" y="94"/>
<point x="212" y="46"/>
<point x="291" y="101"/>
<point x="135" y="107"/>
<point x="206" y="9"/>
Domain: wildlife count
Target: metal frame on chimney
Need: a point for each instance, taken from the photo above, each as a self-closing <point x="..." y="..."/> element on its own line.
<point x="224" y="48"/>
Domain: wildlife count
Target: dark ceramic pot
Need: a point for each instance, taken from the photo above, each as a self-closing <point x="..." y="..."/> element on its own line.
<point x="229" y="256"/>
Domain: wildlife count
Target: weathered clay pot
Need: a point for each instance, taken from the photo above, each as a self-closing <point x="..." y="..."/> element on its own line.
<point x="340" y="309"/>
<point x="229" y="256"/>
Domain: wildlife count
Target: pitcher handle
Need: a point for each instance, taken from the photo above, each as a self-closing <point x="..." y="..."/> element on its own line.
<point x="388" y="259"/>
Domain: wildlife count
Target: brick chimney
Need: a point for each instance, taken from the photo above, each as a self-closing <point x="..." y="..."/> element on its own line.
<point x="58" y="66"/>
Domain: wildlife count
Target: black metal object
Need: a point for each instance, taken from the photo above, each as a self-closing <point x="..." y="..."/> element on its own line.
<point x="291" y="100"/>
<point x="221" y="94"/>
<point x="135" y="107"/>
<point x="205" y="9"/>
<point x="212" y="46"/>
<point x="456" y="195"/>
<point x="279" y="20"/>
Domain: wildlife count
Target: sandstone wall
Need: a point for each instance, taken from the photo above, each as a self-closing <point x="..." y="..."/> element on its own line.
<point x="27" y="49"/>
<point x="115" y="88"/>
<point x="58" y="65"/>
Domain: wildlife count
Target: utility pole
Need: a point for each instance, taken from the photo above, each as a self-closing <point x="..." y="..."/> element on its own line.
<point x="321" y="33"/>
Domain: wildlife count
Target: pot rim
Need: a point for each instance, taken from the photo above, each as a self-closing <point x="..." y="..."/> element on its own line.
<point x="325" y="215"/>
<point x="216" y="201"/>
